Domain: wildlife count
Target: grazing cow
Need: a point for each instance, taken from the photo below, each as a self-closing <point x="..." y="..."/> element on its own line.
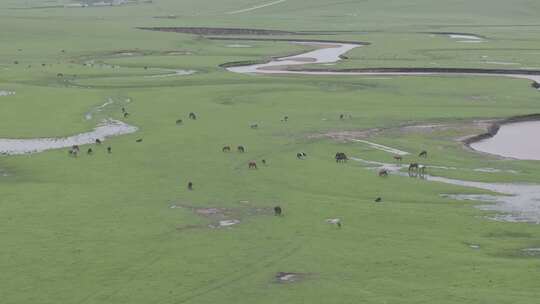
<point x="226" y="149"/>
<point x="254" y="126"/>
<point x="89" y="152"/>
<point x="252" y="164"/>
<point x="126" y="114"/>
<point x="179" y="122"/>
<point x="301" y="155"/>
<point x="241" y="149"/>
<point x="109" y="150"/>
<point x="98" y="141"/>
<point x="398" y="158"/>
<point x="378" y="200"/>
<point x="139" y="140"/>
<point x="423" y="154"/>
<point x="536" y="85"/>
<point x="341" y="157"/>
<point x="192" y="116"/>
<point x="278" y="211"/>
<point x="190" y="186"/>
<point x="383" y="173"/>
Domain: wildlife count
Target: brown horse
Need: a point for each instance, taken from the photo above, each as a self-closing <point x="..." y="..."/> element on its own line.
<point x="241" y="149"/>
<point x="252" y="164"/>
<point x="423" y="154"/>
<point x="398" y="158"/>
<point x="383" y="173"/>
<point x="278" y="211"/>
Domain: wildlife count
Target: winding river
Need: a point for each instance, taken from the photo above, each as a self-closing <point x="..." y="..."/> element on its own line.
<point x="104" y="130"/>
<point x="512" y="140"/>
<point x="517" y="202"/>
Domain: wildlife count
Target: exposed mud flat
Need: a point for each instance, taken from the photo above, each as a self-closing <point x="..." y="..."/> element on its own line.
<point x="106" y="129"/>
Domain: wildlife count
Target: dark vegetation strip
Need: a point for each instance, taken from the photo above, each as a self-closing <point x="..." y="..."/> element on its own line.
<point x="288" y="40"/>
<point x="430" y="70"/>
<point x="218" y="31"/>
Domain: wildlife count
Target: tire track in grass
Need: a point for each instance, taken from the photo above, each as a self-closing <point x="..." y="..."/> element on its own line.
<point x="237" y="276"/>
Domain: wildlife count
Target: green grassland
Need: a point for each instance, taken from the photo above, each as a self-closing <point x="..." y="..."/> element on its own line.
<point x="99" y="229"/>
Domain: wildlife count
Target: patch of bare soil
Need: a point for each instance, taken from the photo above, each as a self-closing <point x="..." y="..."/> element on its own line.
<point x="469" y="128"/>
<point x="222" y="217"/>
<point x="346" y="136"/>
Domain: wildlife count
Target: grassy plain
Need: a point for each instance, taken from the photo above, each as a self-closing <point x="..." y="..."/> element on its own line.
<point x="99" y="229"/>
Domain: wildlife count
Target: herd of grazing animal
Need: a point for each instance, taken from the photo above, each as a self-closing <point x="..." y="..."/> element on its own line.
<point x="340" y="157"/>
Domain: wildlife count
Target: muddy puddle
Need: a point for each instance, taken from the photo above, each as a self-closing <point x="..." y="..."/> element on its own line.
<point x="515" y="140"/>
<point x="6" y="93"/>
<point x="104" y="130"/>
<point x="290" y="277"/>
<point x="109" y="103"/>
<point x="513" y="203"/>
<point x="172" y="73"/>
